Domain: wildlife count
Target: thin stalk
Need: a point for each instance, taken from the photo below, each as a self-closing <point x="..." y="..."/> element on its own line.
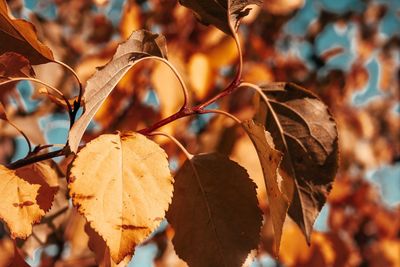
<point x="42" y="83"/>
<point x="23" y="162"/>
<point x="177" y="75"/>
<point x="227" y="114"/>
<point x="24" y="135"/>
<point x="173" y="139"/>
<point x="76" y="77"/>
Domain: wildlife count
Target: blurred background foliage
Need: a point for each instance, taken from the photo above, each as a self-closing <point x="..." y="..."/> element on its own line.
<point x="347" y="51"/>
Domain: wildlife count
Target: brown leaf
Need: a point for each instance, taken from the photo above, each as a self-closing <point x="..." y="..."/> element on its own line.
<point x="18" y="208"/>
<point x="19" y="36"/>
<point x="122" y="185"/>
<point x="305" y="132"/>
<point x="13" y="65"/>
<point x="139" y="45"/>
<point x="215" y="208"/>
<point x="223" y="14"/>
<point x="270" y="159"/>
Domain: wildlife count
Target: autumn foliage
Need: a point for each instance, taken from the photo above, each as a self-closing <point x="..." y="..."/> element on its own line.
<point x="203" y="141"/>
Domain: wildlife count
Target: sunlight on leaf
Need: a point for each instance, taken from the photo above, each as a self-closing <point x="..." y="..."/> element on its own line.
<point x="121" y="183"/>
<point x="19" y="208"/>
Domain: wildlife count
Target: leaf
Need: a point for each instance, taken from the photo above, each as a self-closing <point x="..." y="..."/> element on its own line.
<point x="223" y="14"/>
<point x="13" y="65"/>
<point x="122" y="185"/>
<point x="305" y="132"/>
<point x="139" y="45"/>
<point x="270" y="159"/>
<point x="19" y="36"/>
<point x="215" y="208"/>
<point x="18" y="208"/>
<point x="43" y="174"/>
<point x="101" y="251"/>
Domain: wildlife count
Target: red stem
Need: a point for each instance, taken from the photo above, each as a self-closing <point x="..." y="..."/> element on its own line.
<point x="184" y="112"/>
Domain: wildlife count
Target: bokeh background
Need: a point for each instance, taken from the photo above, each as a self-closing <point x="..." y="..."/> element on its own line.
<point x="346" y="51"/>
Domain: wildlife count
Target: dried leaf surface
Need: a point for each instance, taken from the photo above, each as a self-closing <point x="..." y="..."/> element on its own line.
<point x="121" y="183"/>
<point x="220" y="13"/>
<point x="270" y="159"/>
<point x="305" y="132"/>
<point x="19" y="36"/>
<point x="19" y="208"/>
<point x="139" y="45"/>
<point x="215" y="208"/>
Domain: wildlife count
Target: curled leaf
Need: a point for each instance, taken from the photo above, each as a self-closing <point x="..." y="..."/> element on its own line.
<point x="139" y="45"/>
<point x="223" y="14"/>
<point x="19" y="36"/>
<point x="214" y="207"/>
<point x="121" y="183"/>
<point x="305" y="132"/>
<point x="270" y="159"/>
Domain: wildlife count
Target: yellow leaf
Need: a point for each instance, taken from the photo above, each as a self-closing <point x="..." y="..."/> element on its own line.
<point x="18" y="206"/>
<point x="121" y="183"/>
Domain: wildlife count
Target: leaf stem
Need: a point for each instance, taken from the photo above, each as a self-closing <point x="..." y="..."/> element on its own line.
<point x="173" y="139"/>
<point x="42" y="83"/>
<point x="26" y="161"/>
<point x="76" y="77"/>
<point x="24" y="135"/>
<point x="178" y="76"/>
<point x="222" y="113"/>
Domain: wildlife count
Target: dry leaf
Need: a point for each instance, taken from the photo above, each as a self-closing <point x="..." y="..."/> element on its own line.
<point x="19" y="36"/>
<point x="220" y="13"/>
<point x="215" y="208"/>
<point x="270" y="159"/>
<point x="139" y="45"/>
<point x="305" y="132"/>
<point x="122" y="185"/>
<point x="19" y="208"/>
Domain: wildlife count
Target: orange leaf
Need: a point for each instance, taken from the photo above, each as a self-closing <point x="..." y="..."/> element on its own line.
<point x="121" y="183"/>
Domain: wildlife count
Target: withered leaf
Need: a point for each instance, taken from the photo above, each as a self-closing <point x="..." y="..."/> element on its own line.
<point x="305" y="132"/>
<point x="140" y="44"/>
<point x="220" y="13"/>
<point x="19" y="36"/>
<point x="214" y="207"/>
<point x="121" y="183"/>
<point x="270" y="159"/>
<point x="19" y="208"/>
